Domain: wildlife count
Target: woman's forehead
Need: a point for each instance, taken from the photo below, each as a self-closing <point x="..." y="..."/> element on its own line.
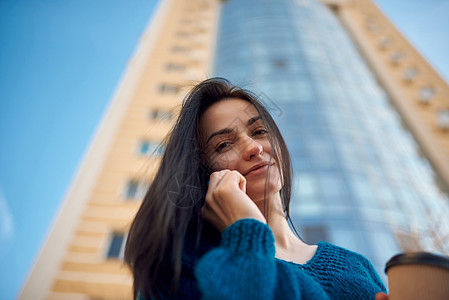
<point x="227" y="113"/>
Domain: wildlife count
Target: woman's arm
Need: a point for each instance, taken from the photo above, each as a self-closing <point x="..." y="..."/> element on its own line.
<point x="244" y="267"/>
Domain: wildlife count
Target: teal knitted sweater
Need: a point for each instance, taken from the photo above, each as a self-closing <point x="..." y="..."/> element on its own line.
<point x="243" y="266"/>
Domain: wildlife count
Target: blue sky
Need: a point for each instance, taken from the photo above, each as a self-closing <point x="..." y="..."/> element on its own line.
<point x="60" y="62"/>
<point x="426" y="25"/>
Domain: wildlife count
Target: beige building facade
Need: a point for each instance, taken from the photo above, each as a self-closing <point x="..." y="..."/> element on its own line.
<point x="81" y="258"/>
<point x="418" y="92"/>
<point x="78" y="260"/>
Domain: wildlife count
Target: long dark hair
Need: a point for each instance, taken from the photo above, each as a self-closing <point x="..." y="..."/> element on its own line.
<point x="173" y="202"/>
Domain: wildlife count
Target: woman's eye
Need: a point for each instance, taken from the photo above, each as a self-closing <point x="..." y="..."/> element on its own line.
<point x="260" y="132"/>
<point x="222" y="146"/>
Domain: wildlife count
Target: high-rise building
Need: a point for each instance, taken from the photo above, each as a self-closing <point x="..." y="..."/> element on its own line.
<point x="364" y="115"/>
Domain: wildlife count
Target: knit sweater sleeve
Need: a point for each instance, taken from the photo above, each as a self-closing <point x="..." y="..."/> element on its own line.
<point x="243" y="266"/>
<point x="344" y="274"/>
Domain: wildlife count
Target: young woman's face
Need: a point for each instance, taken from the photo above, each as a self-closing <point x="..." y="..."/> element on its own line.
<point x="235" y="138"/>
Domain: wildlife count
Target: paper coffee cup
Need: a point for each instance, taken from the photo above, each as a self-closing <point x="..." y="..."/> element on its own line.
<point x="418" y="276"/>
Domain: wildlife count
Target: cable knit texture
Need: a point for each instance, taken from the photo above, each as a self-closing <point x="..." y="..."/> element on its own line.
<point x="243" y="266"/>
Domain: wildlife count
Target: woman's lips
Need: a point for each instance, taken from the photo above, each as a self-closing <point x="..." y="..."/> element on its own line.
<point x="257" y="170"/>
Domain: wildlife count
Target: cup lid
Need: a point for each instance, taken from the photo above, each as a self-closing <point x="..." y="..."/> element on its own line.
<point x="424" y="258"/>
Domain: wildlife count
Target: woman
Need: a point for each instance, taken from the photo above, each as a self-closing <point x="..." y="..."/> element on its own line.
<point x="213" y="224"/>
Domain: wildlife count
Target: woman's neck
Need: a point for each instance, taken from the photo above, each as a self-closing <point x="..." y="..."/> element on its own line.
<point x="288" y="245"/>
<point x="275" y="217"/>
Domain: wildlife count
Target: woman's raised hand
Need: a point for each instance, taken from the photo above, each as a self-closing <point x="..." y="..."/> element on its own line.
<point x="226" y="200"/>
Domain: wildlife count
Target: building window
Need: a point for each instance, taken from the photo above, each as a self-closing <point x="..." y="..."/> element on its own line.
<point x="186" y="21"/>
<point x="168" y="88"/>
<point x="410" y="74"/>
<point x="314" y="234"/>
<point x="397" y="57"/>
<point x="372" y="25"/>
<point x="426" y="94"/>
<point x="150" y="148"/>
<point x="174" y="67"/>
<point x="443" y="118"/>
<point x="136" y="189"/>
<point x="182" y="34"/>
<point x="385" y="42"/>
<point x="116" y="246"/>
<point x="280" y="64"/>
<point x="179" y="49"/>
<point x="157" y="114"/>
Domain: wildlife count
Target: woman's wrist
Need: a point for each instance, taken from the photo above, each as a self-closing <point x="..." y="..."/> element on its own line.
<point x="249" y="236"/>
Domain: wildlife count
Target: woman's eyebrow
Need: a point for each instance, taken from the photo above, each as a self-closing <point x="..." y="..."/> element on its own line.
<point x="252" y="120"/>
<point x="229" y="130"/>
<point x="221" y="131"/>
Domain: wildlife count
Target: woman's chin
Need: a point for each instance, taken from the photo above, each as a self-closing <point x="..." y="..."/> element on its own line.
<point x="260" y="195"/>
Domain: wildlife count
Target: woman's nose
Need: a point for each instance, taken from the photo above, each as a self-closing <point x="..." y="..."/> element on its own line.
<point x="252" y="148"/>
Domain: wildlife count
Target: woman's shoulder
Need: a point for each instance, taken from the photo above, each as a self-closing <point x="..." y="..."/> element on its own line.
<point x="339" y="260"/>
<point x="331" y="260"/>
<point x="337" y="253"/>
<point x="332" y="264"/>
<point x="332" y="256"/>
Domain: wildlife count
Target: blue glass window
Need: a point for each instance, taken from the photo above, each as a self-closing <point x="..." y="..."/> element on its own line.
<point x="136" y="189"/>
<point x="150" y="148"/>
<point x="116" y="245"/>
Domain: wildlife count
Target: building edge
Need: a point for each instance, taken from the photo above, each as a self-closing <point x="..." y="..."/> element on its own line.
<point x="423" y="135"/>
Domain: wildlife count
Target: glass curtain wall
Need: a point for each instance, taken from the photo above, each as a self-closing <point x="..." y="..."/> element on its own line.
<point x="359" y="181"/>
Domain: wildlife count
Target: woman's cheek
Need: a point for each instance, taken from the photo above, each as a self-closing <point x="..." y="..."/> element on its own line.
<point x="220" y="162"/>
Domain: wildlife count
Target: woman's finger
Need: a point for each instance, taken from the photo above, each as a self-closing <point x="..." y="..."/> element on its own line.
<point x="381" y="296"/>
<point x="216" y="177"/>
